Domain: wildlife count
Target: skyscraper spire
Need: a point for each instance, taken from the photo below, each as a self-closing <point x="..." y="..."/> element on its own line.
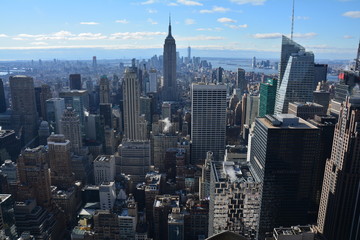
<point x="169" y="25"/>
<point x="292" y="20"/>
<point x="357" y="60"/>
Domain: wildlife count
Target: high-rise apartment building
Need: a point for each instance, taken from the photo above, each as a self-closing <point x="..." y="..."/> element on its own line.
<point x="357" y="60"/>
<point x="7" y="217"/>
<point x="2" y="97"/>
<point x="153" y="81"/>
<point x="241" y="81"/>
<point x="59" y="151"/>
<point x="296" y="79"/>
<point x="131" y="91"/>
<point x="75" y="81"/>
<point x="234" y="199"/>
<point x="34" y="176"/>
<point x="107" y="195"/>
<point x="283" y="157"/>
<point x="339" y="214"/>
<point x="134" y="159"/>
<point x="104" y="89"/>
<point x="71" y="128"/>
<point x="54" y="111"/>
<point x="163" y="205"/>
<point x="104" y="169"/>
<point x="267" y="97"/>
<point x="45" y="94"/>
<point x="169" y="88"/>
<point x="23" y="104"/>
<point x="208" y="121"/>
<point x="320" y="74"/>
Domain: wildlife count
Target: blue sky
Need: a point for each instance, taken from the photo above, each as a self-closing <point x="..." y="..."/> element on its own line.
<point x="228" y="28"/>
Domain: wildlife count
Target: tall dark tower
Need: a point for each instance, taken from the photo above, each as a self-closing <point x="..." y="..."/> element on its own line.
<point x="75" y="81"/>
<point x="357" y="60"/>
<point x="169" y="89"/>
<point x="2" y="98"/>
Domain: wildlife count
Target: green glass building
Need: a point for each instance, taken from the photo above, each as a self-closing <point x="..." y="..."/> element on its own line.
<point x="267" y="97"/>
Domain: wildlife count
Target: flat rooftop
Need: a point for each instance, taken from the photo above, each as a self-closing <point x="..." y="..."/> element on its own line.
<point x="282" y="121"/>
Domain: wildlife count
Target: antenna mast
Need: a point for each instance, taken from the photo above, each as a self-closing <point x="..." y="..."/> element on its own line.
<point x="292" y="21"/>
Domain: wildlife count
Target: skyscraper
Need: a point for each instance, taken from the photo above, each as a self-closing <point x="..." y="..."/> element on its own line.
<point x="288" y="47"/>
<point x="54" y="111"/>
<point x="169" y="89"/>
<point x="75" y="81"/>
<point x="104" y="89"/>
<point x="208" y="121"/>
<point x="241" y="81"/>
<point x="267" y="97"/>
<point x="284" y="156"/>
<point x="339" y="212"/>
<point x="78" y="100"/>
<point x="2" y="97"/>
<point x="34" y="176"/>
<point x="59" y="151"/>
<point x="71" y="128"/>
<point x="357" y="60"/>
<point x="296" y="83"/>
<point x="131" y="105"/>
<point x="23" y="104"/>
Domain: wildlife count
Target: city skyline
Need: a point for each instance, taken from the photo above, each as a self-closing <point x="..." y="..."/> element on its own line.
<point x="213" y="29"/>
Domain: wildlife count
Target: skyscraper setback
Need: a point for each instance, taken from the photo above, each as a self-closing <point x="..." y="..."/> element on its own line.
<point x="169" y="88"/>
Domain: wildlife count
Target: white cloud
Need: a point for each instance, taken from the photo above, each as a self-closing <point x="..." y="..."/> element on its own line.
<point x="302" y="18"/>
<point x="18" y="39"/>
<point x="237" y="26"/>
<point x="25" y="35"/>
<point x="39" y="43"/>
<point x="267" y="35"/>
<point x="123" y="21"/>
<point x="3" y="36"/>
<point x="253" y="2"/>
<point x="215" y="9"/>
<point x="135" y="35"/>
<point x="217" y="29"/>
<point x="150" y="20"/>
<point x="173" y="4"/>
<point x="279" y="35"/>
<point x="63" y="33"/>
<point x="189" y="21"/>
<point x="189" y="3"/>
<point x="89" y="23"/>
<point x="348" y="37"/>
<point x="305" y="35"/>
<point x="352" y="14"/>
<point x="151" y="11"/>
<point x="88" y="36"/>
<point x="148" y="2"/>
<point x="199" y="38"/>
<point x="225" y="20"/>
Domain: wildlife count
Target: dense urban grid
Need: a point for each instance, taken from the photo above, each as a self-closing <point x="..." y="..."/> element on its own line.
<point x="172" y="148"/>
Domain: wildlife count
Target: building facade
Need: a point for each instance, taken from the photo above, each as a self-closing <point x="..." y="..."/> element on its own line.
<point x="208" y="121"/>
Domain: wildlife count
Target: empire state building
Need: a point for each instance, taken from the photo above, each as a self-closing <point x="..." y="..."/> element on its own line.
<point x="169" y="88"/>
